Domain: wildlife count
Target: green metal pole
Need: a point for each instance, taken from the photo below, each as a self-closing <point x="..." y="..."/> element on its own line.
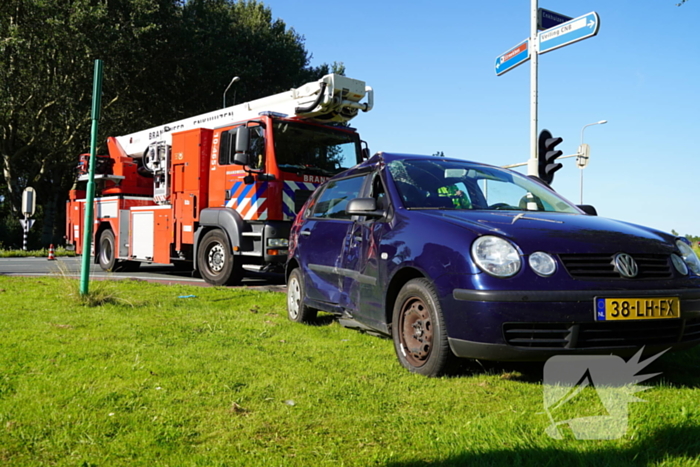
<point x="90" y="200"/>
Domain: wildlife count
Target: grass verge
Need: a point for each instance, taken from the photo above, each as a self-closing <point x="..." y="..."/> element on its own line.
<point x="43" y="253"/>
<point x="187" y="376"/>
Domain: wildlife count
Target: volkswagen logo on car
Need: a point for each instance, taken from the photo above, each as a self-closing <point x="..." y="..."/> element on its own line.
<point x="626" y="265"/>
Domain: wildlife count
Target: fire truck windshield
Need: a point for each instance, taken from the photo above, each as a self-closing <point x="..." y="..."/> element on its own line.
<point x="313" y="149"/>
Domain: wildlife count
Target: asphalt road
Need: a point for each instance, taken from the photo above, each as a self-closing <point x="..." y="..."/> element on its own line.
<point x="163" y="274"/>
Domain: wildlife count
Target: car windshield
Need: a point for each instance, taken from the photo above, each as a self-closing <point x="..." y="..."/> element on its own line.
<point x="304" y="148"/>
<point x="440" y="184"/>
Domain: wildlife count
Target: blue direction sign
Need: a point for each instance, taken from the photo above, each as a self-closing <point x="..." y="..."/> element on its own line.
<point x="512" y="58"/>
<point x="547" y="19"/>
<point x="567" y="33"/>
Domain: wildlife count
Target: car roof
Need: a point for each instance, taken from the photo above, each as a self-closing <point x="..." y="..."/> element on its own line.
<point x="390" y="157"/>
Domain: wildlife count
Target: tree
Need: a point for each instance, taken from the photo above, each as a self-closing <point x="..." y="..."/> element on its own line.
<point x="38" y="95"/>
<point x="694" y="239"/>
<point x="163" y="60"/>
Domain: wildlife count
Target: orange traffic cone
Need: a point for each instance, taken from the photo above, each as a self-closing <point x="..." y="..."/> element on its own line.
<point x="52" y="256"/>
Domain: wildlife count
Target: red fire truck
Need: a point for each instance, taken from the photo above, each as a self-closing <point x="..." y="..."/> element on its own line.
<point x="218" y="191"/>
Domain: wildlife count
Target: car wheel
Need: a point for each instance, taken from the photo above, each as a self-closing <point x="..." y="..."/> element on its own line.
<point x="296" y="310"/>
<point x="418" y="330"/>
<point x="107" y="257"/>
<point x="215" y="260"/>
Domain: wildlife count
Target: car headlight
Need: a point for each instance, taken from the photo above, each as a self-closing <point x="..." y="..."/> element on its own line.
<point x="496" y="256"/>
<point x="542" y="263"/>
<point x="679" y="264"/>
<point x="689" y="256"/>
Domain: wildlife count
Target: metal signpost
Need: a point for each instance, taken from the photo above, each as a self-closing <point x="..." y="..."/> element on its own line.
<point x="28" y="208"/>
<point x="89" y="208"/>
<point x="556" y="30"/>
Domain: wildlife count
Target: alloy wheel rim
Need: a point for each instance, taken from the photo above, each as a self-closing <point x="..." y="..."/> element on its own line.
<point x="216" y="258"/>
<point x="294" y="298"/>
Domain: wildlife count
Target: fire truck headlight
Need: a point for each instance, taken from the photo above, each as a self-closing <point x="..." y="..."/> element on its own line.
<point x="277" y="246"/>
<point x="277" y="242"/>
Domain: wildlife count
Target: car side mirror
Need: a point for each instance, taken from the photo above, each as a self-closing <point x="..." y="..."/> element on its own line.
<point x="588" y="209"/>
<point x="364" y="207"/>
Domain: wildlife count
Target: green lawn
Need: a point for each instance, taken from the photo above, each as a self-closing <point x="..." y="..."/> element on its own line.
<point x="152" y="377"/>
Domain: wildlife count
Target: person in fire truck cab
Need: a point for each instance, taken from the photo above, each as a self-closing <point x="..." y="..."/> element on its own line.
<point x="257" y="147"/>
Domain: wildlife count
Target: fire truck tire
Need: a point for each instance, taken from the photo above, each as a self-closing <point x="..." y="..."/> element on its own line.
<point x="216" y="262"/>
<point x="107" y="257"/>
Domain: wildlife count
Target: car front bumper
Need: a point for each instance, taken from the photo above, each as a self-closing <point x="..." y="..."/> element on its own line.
<point x="535" y="325"/>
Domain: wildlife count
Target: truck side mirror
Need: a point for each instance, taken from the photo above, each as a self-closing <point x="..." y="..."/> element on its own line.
<point x="241" y="156"/>
<point x="365" y="151"/>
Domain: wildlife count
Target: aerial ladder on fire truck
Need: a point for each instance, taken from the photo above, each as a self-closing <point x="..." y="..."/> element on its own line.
<point x="218" y="191"/>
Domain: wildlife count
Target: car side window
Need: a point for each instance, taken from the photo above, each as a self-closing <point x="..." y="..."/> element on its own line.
<point x="334" y="199"/>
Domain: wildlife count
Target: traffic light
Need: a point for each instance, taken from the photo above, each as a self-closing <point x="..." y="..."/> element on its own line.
<point x="547" y="156"/>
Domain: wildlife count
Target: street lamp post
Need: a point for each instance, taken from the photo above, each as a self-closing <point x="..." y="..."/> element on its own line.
<point x="235" y="79"/>
<point x="583" y="154"/>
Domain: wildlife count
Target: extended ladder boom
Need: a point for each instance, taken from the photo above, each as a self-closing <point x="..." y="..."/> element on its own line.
<point x="333" y="98"/>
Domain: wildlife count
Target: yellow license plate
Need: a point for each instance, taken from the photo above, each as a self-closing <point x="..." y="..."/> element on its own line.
<point x="628" y="309"/>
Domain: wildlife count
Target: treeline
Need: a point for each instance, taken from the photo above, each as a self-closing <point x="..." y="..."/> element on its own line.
<point x="163" y="60"/>
<point x="693" y="238"/>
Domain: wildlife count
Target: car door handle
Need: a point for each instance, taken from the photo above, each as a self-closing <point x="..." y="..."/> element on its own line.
<point x="305" y="232"/>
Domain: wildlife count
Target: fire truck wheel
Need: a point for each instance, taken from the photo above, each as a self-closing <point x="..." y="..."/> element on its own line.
<point x="107" y="257"/>
<point x="216" y="262"/>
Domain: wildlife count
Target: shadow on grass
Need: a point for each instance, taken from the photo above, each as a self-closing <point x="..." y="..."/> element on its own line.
<point x="676" y="369"/>
<point x="526" y="372"/>
<point x="323" y="319"/>
<point x="660" y="446"/>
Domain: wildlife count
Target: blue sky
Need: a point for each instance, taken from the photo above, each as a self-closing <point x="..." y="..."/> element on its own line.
<point x="431" y="65"/>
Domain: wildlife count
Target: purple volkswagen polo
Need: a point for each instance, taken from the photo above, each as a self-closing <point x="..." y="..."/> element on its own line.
<point x="459" y="259"/>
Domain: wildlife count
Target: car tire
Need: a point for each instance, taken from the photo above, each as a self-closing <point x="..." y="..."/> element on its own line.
<point x="418" y="330"/>
<point x="107" y="257"/>
<point x="215" y="260"/>
<point x="296" y="310"/>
